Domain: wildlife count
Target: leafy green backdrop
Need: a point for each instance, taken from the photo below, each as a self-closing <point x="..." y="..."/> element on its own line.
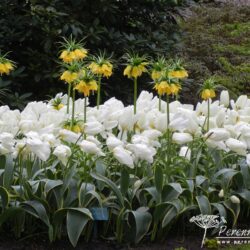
<point x="212" y="39"/>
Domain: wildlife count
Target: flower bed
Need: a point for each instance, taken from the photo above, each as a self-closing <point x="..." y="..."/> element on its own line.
<point x="122" y="172"/>
<point x="145" y="173"/>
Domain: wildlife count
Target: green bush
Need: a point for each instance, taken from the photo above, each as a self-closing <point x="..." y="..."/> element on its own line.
<point x="32" y="29"/>
<point x="216" y="41"/>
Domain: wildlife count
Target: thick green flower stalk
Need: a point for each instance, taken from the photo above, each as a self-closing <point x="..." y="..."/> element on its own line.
<point x="135" y="67"/>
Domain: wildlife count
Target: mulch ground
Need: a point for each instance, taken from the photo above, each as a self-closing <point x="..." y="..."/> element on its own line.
<point x="43" y="244"/>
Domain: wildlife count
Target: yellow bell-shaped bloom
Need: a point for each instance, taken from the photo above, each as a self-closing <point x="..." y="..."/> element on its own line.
<point x="207" y="93"/>
<point x="66" y="56"/>
<point x="155" y="75"/>
<point x="175" y="88"/>
<point x="80" y="53"/>
<point x="104" y="69"/>
<point x="85" y="87"/>
<point x="178" y="73"/>
<point x="163" y="88"/>
<point x="68" y="76"/>
<point x="6" y="67"/>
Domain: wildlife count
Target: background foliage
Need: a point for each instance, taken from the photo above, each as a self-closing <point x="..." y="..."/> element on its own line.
<point x="32" y="29"/>
<point x="216" y="41"/>
<point x="212" y="39"/>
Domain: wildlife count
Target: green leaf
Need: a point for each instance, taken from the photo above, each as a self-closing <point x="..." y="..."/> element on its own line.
<point x="171" y="191"/>
<point x="204" y="204"/>
<point x="8" y="173"/>
<point x="160" y="211"/>
<point x="199" y="179"/>
<point x="170" y="215"/>
<point x="124" y="181"/>
<point x="112" y="185"/>
<point x="158" y="178"/>
<point x="36" y="209"/>
<point x="245" y="170"/>
<point x="153" y="192"/>
<point x="244" y="194"/>
<point x="100" y="167"/>
<point x="51" y="184"/>
<point x="221" y="209"/>
<point x="4" y="197"/>
<point x="143" y="221"/>
<point x="77" y="218"/>
<point x="234" y="209"/>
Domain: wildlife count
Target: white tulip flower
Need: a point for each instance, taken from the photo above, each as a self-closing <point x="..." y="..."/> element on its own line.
<point x="113" y="142"/>
<point x="218" y="134"/>
<point x="90" y="148"/>
<point x="62" y="152"/>
<point x="182" y="138"/>
<point x="123" y="156"/>
<point x="224" y="98"/>
<point x="93" y="128"/>
<point x="241" y="102"/>
<point x="236" y="146"/>
<point x="69" y="136"/>
<point x="40" y="148"/>
<point x="142" y="152"/>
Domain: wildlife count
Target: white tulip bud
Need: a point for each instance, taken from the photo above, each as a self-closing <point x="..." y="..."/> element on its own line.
<point x="235" y="199"/>
<point x="221" y="193"/>
<point x="224" y="98"/>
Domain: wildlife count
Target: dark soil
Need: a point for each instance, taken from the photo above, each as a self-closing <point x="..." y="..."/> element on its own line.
<point x="43" y="244"/>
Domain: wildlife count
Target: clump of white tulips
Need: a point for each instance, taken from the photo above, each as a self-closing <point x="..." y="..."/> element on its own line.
<point x="38" y="130"/>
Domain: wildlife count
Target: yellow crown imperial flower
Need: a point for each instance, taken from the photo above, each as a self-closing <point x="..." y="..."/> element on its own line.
<point x="69" y="76"/>
<point x="155" y="75"/>
<point x="207" y="93"/>
<point x="178" y="73"/>
<point x="107" y="69"/>
<point x="104" y="69"/>
<point x="136" y="65"/>
<point x="175" y="88"/>
<point x="163" y="88"/>
<point x="66" y="56"/>
<point x="134" y="71"/>
<point x="85" y="87"/>
<point x="6" y="67"/>
<point x="80" y="53"/>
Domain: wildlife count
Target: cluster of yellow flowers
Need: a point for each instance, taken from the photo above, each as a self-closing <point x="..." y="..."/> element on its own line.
<point x="101" y="69"/>
<point x="85" y="77"/>
<point x="74" y="55"/>
<point x="6" y="65"/>
<point x="79" y="74"/>
<point x="167" y="76"/>
<point x="167" y="88"/>
<point x="134" y="71"/>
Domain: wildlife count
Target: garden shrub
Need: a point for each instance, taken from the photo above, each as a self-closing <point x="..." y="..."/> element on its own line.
<point x="216" y="41"/>
<point x="32" y="29"/>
